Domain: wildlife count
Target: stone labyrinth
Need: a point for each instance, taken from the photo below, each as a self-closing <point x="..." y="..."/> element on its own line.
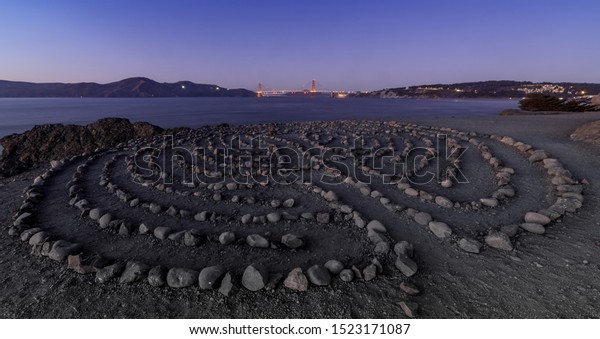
<point x="290" y="205"/>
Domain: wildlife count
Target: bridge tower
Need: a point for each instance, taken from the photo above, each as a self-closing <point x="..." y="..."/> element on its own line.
<point x="259" y="92"/>
<point x="313" y="87"/>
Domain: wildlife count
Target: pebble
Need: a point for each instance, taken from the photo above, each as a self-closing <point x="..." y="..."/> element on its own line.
<point x="498" y="240"/>
<point x="209" y="277"/>
<point x="261" y="219"/>
<point x="411" y="192"/>
<point x="409" y="309"/>
<point x="296" y="280"/>
<point x="423" y="218"/>
<point x="443" y="201"/>
<point x="359" y="222"/>
<point x="469" y="245"/>
<point x="346" y="209"/>
<point x="375" y="225"/>
<point x="226" y="238"/>
<point x="275" y="203"/>
<point x="177" y="236"/>
<point x="289" y="203"/>
<point x="323" y="218"/>
<point x="155" y="208"/>
<point x="256" y="240"/>
<point x="406" y="265"/>
<point x="382" y="247"/>
<point x="330" y="196"/>
<point x="536" y="218"/>
<point x="201" y="216"/>
<point x="292" y="240"/>
<point x="409" y="288"/>
<point x="357" y="273"/>
<point x="182" y="277"/>
<point x="318" y="275"/>
<point x="144" y="229"/>
<point x="61" y="249"/>
<point x="489" y="202"/>
<point x="104" y="222"/>
<point x="28" y="233"/>
<point x="109" y="272"/>
<point x="172" y="211"/>
<point x="190" y="238"/>
<point x="334" y="266"/>
<point x="246" y="218"/>
<point x="133" y="272"/>
<point x="157" y="276"/>
<point x="440" y="229"/>
<point x="404" y="248"/>
<point x="84" y="264"/>
<point x="507" y="191"/>
<point x="39" y="238"/>
<point x="510" y="230"/>
<point x="538" y="155"/>
<point x="446" y="183"/>
<point x="96" y="213"/>
<point x="274" y="217"/>
<point x="162" y="232"/>
<point x="307" y="215"/>
<point x="346" y="275"/>
<point x="370" y="272"/>
<point x="255" y="277"/>
<point x="135" y="202"/>
<point x="533" y="228"/>
<point x="226" y="287"/>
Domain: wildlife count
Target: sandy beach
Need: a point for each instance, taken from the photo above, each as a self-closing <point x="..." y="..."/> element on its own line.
<point x="475" y="265"/>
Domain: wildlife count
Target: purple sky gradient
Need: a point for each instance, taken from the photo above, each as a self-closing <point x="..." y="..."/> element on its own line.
<point x="346" y="45"/>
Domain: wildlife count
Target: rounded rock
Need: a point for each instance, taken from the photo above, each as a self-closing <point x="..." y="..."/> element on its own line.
<point x="334" y="266"/>
<point x="226" y="238"/>
<point x="318" y="275"/>
<point x="181" y="277"/>
<point x="423" y="218"/>
<point x="347" y="275"/>
<point x="296" y="280"/>
<point x="375" y="225"/>
<point x="533" y="228"/>
<point x="536" y="218"/>
<point x="209" y="277"/>
<point x="255" y="277"/>
<point x="292" y="241"/>
<point x="255" y="240"/>
<point x="440" y="229"/>
<point x="499" y="241"/>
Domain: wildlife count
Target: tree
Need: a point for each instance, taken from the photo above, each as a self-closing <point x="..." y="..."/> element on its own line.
<point x="536" y="102"/>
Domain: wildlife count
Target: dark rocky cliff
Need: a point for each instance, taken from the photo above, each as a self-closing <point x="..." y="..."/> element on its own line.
<point x="44" y="143"/>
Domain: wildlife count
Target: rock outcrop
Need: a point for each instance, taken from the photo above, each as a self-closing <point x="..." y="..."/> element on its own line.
<point x="44" y="143"/>
<point x="589" y="133"/>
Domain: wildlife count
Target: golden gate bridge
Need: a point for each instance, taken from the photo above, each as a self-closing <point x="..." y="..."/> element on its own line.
<point x="264" y="91"/>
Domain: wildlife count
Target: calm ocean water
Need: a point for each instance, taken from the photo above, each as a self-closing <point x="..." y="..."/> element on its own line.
<point x="19" y="115"/>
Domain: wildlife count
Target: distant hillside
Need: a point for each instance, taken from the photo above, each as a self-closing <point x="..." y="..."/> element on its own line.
<point x="132" y="87"/>
<point x="488" y="89"/>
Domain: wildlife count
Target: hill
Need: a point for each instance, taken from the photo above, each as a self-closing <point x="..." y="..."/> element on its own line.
<point x="488" y="89"/>
<point x="132" y="87"/>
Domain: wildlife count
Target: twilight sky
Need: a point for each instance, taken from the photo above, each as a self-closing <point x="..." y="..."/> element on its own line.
<point x="346" y="45"/>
